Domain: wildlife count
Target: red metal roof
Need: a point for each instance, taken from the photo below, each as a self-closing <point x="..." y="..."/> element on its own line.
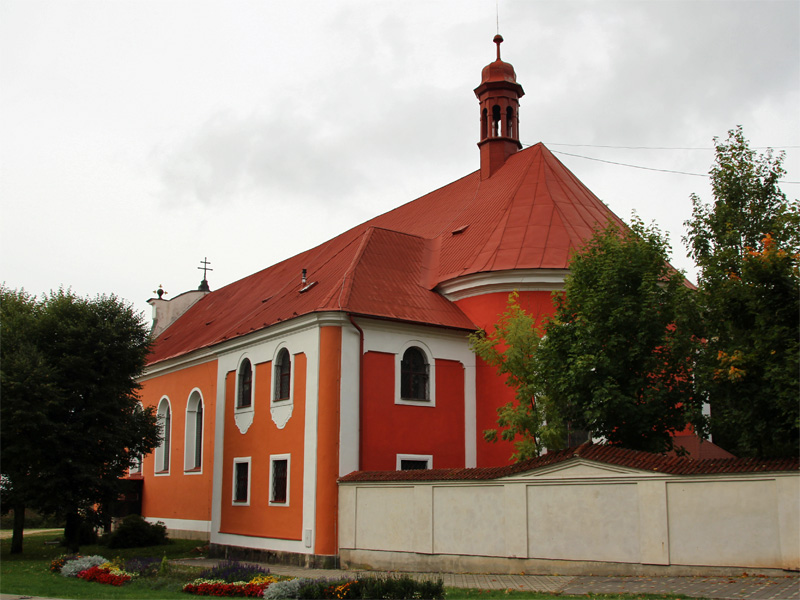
<point x="610" y="455"/>
<point x="530" y="214"/>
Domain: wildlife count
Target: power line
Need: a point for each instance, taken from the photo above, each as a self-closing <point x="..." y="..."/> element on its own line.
<point x="611" y="162"/>
<point x="663" y="147"/>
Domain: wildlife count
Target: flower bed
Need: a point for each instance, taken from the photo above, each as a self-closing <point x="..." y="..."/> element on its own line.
<point x="104" y="575"/>
<point x="242" y="589"/>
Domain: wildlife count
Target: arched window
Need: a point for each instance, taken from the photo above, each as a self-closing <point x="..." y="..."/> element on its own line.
<point x="509" y="122"/>
<point x="414" y="375"/>
<point x="164" y="420"/>
<point x="245" y="396"/>
<point x="495" y="121"/>
<point x="484" y="124"/>
<point x="283" y="375"/>
<point x="193" y="440"/>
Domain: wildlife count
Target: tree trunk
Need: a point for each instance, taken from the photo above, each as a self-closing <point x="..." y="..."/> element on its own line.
<point x="19" y="528"/>
<point x="72" y="531"/>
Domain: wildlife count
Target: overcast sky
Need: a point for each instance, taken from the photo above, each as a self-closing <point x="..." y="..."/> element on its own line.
<point x="138" y="137"/>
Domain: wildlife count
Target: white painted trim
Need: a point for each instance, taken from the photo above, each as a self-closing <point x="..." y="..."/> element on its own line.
<point x="158" y="454"/>
<point x="288" y="459"/>
<point x="349" y="400"/>
<point x="189" y="437"/>
<point x="260" y="543"/>
<point x="522" y="280"/>
<point x="183" y="524"/>
<point x="268" y="334"/>
<point x="239" y="461"/>
<point x="426" y="457"/>
<point x="430" y="402"/>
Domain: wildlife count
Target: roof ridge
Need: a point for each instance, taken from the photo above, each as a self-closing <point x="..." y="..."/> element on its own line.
<point x="349" y="275"/>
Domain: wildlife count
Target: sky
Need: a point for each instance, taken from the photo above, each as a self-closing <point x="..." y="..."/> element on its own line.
<point x="138" y="138"/>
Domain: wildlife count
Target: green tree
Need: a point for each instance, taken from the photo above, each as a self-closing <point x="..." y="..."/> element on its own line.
<point x="531" y="422"/>
<point x="27" y="387"/>
<point x="617" y="355"/>
<point x="69" y="426"/>
<point x="746" y="246"/>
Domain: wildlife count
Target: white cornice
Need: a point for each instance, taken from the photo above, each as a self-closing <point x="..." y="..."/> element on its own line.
<point x="278" y="330"/>
<point x="542" y="280"/>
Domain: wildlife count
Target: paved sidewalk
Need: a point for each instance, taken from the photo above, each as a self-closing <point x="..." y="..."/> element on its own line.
<point x="722" y="588"/>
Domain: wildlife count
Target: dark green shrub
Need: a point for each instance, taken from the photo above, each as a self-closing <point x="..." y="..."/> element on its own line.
<point x="135" y="532"/>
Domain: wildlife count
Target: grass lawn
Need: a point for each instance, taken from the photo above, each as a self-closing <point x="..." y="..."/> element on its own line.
<point x="29" y="574"/>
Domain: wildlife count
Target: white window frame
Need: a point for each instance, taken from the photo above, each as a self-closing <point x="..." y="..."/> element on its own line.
<point x="236" y="461"/>
<point x="190" y="433"/>
<point x="285" y="401"/>
<point x="163" y="448"/>
<point x="425" y="457"/>
<point x="288" y="459"/>
<point x="250" y="408"/>
<point x="398" y="359"/>
<point x="243" y="416"/>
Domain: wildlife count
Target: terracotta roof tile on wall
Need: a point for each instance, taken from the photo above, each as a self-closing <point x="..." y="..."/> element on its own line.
<point x="530" y="214"/>
<point x="610" y="455"/>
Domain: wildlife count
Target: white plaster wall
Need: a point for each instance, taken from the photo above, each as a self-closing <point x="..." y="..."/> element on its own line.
<point x="383" y="518"/>
<point x="469" y="520"/>
<point x="584" y="522"/>
<point x="639" y="519"/>
<point x="730" y="523"/>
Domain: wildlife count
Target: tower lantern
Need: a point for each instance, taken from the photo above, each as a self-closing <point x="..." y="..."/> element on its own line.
<point x="499" y="95"/>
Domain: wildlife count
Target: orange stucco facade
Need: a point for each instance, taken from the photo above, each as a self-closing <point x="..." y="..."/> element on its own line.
<point x="181" y="493"/>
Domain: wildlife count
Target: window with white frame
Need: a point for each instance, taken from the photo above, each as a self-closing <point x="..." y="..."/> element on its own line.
<point x="279" y="479"/>
<point x="414" y="462"/>
<point x="282" y="376"/>
<point x="164" y="421"/>
<point x="415" y="380"/>
<point x="193" y="438"/>
<point x="241" y="481"/>
<point x="244" y="385"/>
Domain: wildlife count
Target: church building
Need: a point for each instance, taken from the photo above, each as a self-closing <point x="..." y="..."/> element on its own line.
<point x="354" y="355"/>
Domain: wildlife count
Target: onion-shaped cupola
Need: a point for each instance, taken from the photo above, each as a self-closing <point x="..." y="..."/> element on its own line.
<point x="499" y="95"/>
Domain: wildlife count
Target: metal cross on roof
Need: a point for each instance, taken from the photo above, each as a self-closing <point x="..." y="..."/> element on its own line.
<point x="205" y="266"/>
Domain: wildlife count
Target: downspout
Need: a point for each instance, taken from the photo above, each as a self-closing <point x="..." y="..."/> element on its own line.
<point x="360" y="390"/>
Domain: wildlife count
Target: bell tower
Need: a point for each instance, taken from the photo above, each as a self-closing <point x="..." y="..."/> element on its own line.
<point x="499" y="95"/>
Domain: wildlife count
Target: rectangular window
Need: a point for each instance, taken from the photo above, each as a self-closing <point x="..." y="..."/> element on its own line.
<point x="241" y="480"/>
<point x="412" y="462"/>
<point x="279" y="479"/>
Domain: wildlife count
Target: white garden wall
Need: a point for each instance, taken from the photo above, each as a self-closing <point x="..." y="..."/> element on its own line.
<point x="576" y="517"/>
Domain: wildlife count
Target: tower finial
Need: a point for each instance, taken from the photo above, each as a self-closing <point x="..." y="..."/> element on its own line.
<point x="498" y="39"/>
<point x="203" y="287"/>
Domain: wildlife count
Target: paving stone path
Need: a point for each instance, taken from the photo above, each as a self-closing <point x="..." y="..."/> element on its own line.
<point x="718" y="588"/>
